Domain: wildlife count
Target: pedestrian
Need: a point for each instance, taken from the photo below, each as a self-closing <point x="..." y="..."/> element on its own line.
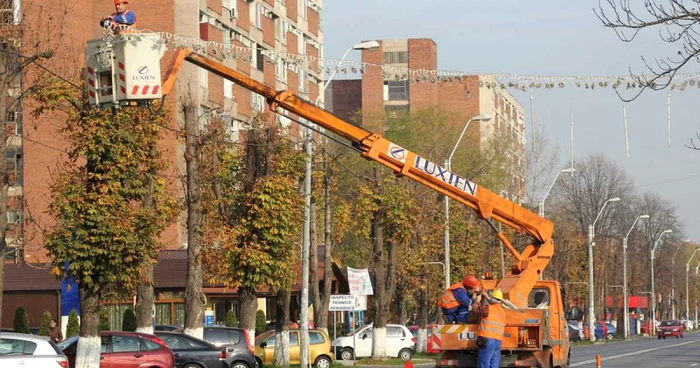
<point x="54" y="331"/>
<point x="121" y="19"/>
<point x="456" y="301"/>
<point x="490" y="333"/>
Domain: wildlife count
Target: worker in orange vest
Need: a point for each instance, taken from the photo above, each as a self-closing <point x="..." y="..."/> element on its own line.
<point x="457" y="300"/>
<point x="490" y="333"/>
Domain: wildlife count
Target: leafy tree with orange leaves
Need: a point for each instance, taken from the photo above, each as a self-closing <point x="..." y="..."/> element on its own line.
<point x="103" y="231"/>
<point x="254" y="215"/>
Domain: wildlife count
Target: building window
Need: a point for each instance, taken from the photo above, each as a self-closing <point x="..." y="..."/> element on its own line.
<point x="257" y="102"/>
<point x="302" y="5"/>
<point x="259" y="13"/>
<point x="281" y="28"/>
<point x="228" y="88"/>
<point x="227" y="36"/>
<point x="203" y="78"/>
<point x="396" y="90"/>
<point x="281" y="70"/>
<point x="259" y="59"/>
<point x="302" y="44"/>
<point x="396" y="57"/>
<point x="302" y="81"/>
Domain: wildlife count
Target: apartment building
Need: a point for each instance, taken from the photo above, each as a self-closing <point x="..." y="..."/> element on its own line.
<point x="265" y="27"/>
<point x="379" y="92"/>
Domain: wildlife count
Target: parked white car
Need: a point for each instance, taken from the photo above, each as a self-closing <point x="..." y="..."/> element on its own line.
<point x="29" y="351"/>
<point x="400" y="343"/>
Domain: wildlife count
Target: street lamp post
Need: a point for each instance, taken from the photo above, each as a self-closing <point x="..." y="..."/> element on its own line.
<point x="687" y="296"/>
<point x="448" y="166"/>
<point x="306" y="235"/>
<point x="673" y="282"/>
<point x="624" y="275"/>
<point x="591" y="235"/>
<point x="541" y="205"/>
<point x="653" y="295"/>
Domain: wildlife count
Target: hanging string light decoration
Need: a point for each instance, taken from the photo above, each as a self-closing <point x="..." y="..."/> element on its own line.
<point x="327" y="66"/>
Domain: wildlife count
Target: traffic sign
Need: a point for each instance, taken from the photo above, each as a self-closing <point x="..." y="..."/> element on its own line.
<point x="347" y="303"/>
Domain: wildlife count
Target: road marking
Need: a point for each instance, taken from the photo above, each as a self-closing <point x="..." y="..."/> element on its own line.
<point x="632" y="353"/>
<point x="694" y="364"/>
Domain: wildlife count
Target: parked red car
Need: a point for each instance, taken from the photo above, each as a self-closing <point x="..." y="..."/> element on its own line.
<point x="672" y="327"/>
<point x="126" y="350"/>
<point x="431" y="349"/>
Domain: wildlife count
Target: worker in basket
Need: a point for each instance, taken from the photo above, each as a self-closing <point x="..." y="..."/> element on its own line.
<point x="489" y="336"/>
<point x="457" y="300"/>
<point x="120" y="20"/>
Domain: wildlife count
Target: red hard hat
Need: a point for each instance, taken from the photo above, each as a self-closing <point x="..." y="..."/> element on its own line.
<point x="470" y="282"/>
<point x="117" y="2"/>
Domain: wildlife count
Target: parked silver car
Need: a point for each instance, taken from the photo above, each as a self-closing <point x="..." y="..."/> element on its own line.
<point x="29" y="351"/>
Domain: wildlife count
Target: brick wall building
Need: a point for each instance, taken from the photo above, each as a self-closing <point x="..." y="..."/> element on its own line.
<point x="374" y="95"/>
<point x="282" y="26"/>
<point x="264" y="26"/>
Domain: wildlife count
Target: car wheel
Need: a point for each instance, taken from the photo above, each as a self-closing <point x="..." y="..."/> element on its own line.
<point x="610" y="336"/>
<point x="323" y="362"/>
<point x="239" y="365"/>
<point x="664" y="337"/>
<point x="192" y="366"/>
<point x="258" y="363"/>
<point x="659" y="337"/>
<point x="346" y="354"/>
<point x="405" y="354"/>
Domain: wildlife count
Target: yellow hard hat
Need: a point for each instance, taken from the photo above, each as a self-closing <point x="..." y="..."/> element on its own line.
<point x="497" y="294"/>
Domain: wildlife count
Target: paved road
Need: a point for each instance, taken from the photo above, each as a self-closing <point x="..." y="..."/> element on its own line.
<point x="646" y="352"/>
<point x="640" y="353"/>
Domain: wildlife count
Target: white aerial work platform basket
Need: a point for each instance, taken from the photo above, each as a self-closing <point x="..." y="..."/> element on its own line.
<point x="125" y="69"/>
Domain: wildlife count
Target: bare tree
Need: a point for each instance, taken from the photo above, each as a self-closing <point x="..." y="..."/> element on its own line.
<point x="678" y="23"/>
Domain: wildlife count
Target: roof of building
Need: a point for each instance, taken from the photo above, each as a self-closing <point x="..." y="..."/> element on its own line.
<point x="170" y="272"/>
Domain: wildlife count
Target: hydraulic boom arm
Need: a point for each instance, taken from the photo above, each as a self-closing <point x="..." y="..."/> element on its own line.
<point x="529" y="264"/>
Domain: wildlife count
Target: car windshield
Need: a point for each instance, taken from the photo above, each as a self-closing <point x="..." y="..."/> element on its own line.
<point x="669" y="323"/>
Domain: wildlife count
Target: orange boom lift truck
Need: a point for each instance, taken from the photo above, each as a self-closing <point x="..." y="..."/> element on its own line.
<point x="125" y="71"/>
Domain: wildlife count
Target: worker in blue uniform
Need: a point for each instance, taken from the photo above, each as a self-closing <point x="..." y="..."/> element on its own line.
<point x="121" y="19"/>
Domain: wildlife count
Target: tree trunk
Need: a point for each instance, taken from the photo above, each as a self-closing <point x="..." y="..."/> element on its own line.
<point x="282" y="345"/>
<point x="5" y="82"/>
<point x="194" y="298"/>
<point x="380" y="274"/>
<point x="89" y="344"/>
<point x="145" y="296"/>
<point x="321" y="308"/>
<point x="145" y="300"/>
<point x="422" y="342"/>
<point x="314" y="288"/>
<point x="249" y="306"/>
<point x="401" y="306"/>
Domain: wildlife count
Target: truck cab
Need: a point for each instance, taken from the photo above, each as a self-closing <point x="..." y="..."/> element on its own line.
<point x="536" y="336"/>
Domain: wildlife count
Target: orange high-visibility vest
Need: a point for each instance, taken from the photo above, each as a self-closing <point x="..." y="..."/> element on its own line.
<point x="493" y="325"/>
<point x="448" y="300"/>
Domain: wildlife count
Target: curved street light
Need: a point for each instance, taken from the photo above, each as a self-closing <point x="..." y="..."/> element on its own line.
<point x="653" y="295"/>
<point x="591" y="235"/>
<point x="448" y="166"/>
<point x="541" y="205"/>
<point x="624" y="276"/>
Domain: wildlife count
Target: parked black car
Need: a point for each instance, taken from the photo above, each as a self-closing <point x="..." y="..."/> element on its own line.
<point x="193" y="352"/>
<point x="239" y="346"/>
<point x="167" y="328"/>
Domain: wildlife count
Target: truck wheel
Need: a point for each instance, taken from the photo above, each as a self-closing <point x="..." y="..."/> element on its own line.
<point x="346" y="354"/>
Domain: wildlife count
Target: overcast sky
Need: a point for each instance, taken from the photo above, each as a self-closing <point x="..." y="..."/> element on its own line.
<point x="548" y="37"/>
